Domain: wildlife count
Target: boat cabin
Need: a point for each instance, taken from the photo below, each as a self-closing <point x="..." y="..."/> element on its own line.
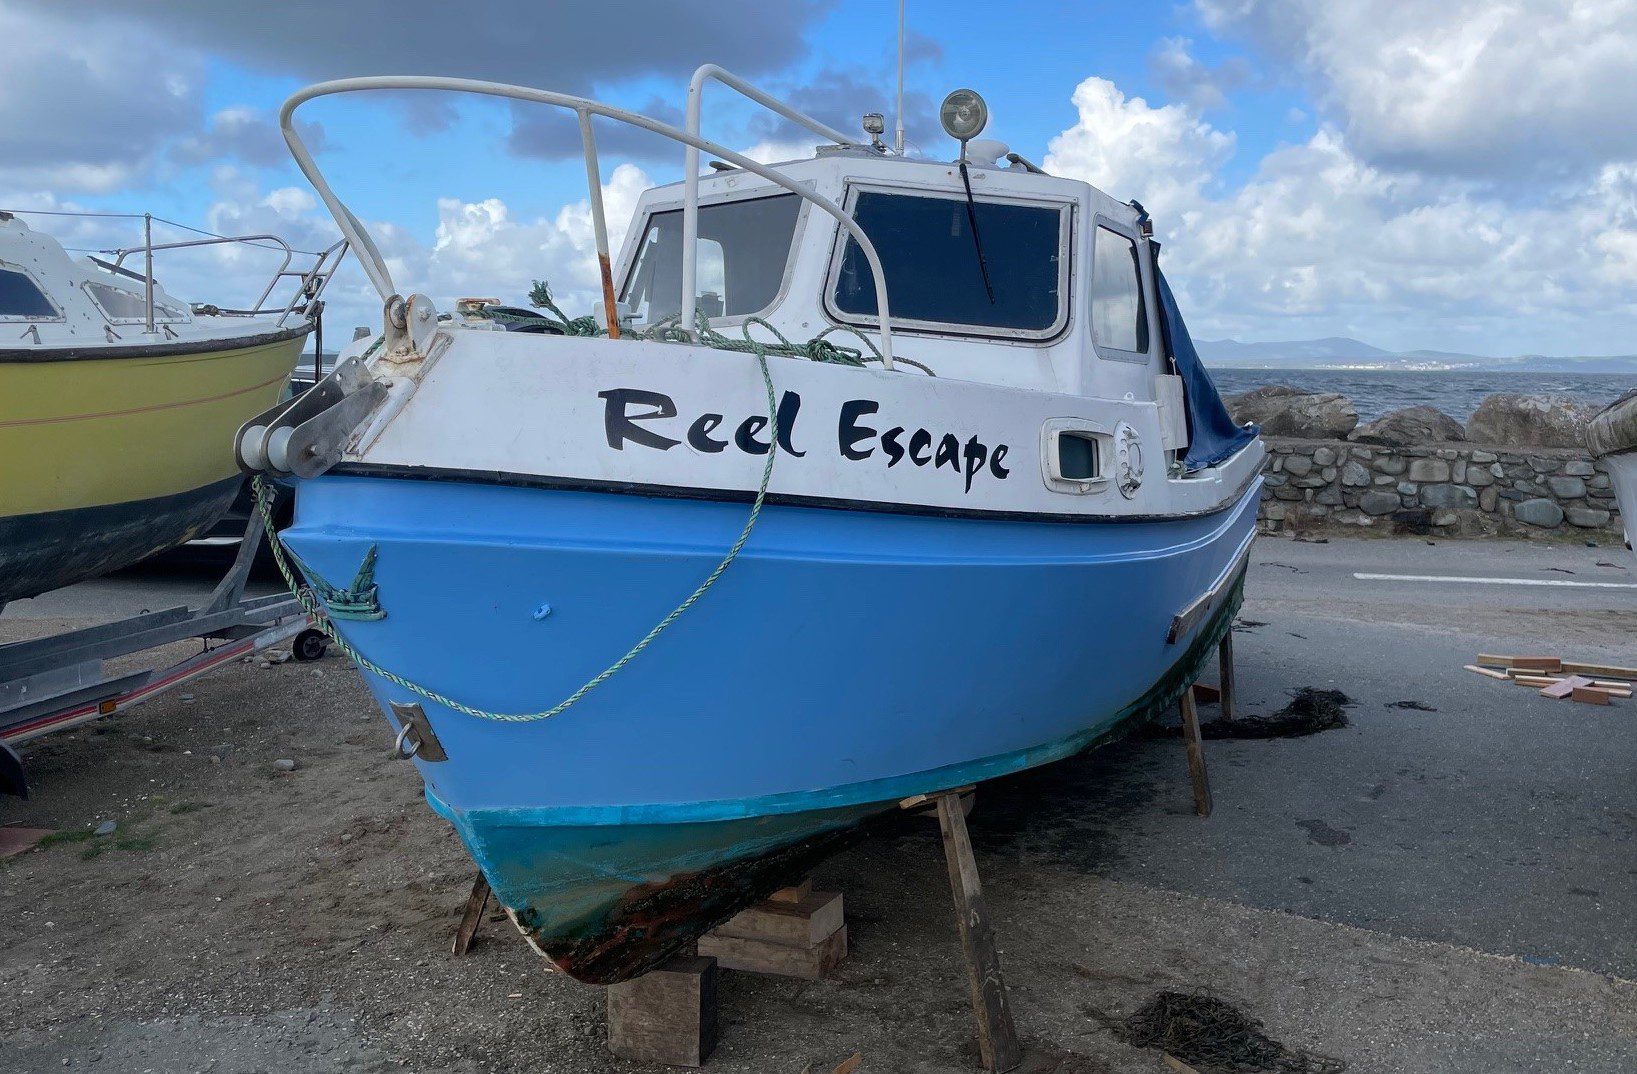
<point x="1036" y="282"/>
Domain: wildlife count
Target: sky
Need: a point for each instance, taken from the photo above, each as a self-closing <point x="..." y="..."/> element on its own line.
<point x="1457" y="175"/>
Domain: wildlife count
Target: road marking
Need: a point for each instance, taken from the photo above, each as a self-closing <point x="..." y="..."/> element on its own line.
<point x="1491" y="581"/>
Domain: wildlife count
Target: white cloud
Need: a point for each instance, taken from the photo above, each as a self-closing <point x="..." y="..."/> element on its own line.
<point x="481" y="250"/>
<point x="1161" y="156"/>
<point x="1483" y="88"/>
<point x="1320" y="241"/>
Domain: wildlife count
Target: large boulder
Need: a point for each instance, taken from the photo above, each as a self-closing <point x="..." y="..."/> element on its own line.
<point x="1285" y="411"/>
<point x="1411" y="427"/>
<point x="1512" y="420"/>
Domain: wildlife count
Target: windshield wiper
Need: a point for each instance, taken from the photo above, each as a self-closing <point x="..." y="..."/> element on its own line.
<point x="977" y="241"/>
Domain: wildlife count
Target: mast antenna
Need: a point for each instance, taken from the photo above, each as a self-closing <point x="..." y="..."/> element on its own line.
<point x="898" y="129"/>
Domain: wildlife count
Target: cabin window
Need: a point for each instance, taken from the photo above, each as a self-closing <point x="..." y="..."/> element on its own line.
<point x="934" y="279"/>
<point x="743" y="249"/>
<point x="118" y="304"/>
<point x="1119" y="316"/>
<point x="21" y="298"/>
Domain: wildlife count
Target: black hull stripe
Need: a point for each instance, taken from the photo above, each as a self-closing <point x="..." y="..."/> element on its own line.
<point x="107" y="351"/>
<point x="42" y="552"/>
<point x="498" y="477"/>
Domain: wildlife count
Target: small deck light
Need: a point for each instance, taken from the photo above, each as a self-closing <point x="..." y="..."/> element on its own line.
<point x="875" y="125"/>
<point x="963" y="115"/>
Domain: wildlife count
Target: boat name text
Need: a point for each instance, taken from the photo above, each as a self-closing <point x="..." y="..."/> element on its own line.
<point x="635" y="416"/>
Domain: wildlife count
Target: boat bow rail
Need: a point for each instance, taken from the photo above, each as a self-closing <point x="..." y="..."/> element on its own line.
<point x="585" y="109"/>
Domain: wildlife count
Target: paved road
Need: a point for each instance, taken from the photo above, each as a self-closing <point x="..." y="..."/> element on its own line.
<point x="1499" y="820"/>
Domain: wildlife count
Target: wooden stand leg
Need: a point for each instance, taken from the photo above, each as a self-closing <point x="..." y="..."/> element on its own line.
<point x="472" y="918"/>
<point x="997" y="1037"/>
<point x="1196" y="754"/>
<point x="1225" y="665"/>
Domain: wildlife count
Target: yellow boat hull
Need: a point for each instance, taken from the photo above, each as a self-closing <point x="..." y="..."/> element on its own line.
<point x="110" y="460"/>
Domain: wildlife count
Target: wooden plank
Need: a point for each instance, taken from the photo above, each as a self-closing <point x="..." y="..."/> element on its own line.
<point x="472" y="918"/>
<point x="998" y="1048"/>
<point x="1601" y="671"/>
<point x="1206" y="694"/>
<point x="1176" y="1064"/>
<point x="1494" y="661"/>
<point x="1564" y="687"/>
<point x="850" y="1064"/>
<point x="1488" y="672"/>
<point x="1590" y="695"/>
<point x="1537" y="663"/>
<point x="803" y="924"/>
<point x="806" y="962"/>
<point x="792" y="895"/>
<point x="1196" y="755"/>
<point x="14" y="839"/>
<point x="1225" y="675"/>
<point x="667" y="1015"/>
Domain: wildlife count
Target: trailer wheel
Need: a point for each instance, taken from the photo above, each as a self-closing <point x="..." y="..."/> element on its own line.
<point x="310" y="645"/>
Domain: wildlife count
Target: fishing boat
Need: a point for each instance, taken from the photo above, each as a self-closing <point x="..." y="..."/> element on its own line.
<point x="1612" y="437"/>
<point x="118" y="401"/>
<point x="880" y="476"/>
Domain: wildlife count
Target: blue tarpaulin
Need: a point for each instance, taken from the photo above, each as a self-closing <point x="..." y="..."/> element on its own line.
<point x="1212" y="434"/>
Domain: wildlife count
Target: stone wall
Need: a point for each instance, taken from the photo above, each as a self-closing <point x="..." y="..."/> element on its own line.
<point x="1453" y="489"/>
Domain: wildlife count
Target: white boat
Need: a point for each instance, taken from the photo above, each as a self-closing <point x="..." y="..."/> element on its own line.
<point x="664" y="612"/>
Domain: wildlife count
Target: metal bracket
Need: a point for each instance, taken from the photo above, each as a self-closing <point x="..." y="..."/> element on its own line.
<point x="305" y="436"/>
<point x="416" y="733"/>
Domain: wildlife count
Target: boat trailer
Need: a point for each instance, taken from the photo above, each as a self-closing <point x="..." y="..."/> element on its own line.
<point x="62" y="681"/>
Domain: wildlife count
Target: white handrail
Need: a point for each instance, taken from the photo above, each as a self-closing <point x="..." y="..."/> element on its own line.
<point x="375" y="265"/>
<point x="690" y="167"/>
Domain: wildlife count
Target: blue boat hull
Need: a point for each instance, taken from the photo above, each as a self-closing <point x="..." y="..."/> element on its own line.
<point x="847" y="660"/>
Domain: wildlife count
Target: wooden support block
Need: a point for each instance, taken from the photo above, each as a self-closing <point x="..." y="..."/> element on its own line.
<point x="1561" y="688"/>
<point x="667" y="1015"/>
<point x="998" y="1048"/>
<point x="793" y="894"/>
<point x="1590" y="695"/>
<point x="1225" y="676"/>
<point x="804" y="924"/>
<point x="808" y="962"/>
<point x="1602" y="671"/>
<point x="472" y="918"/>
<point x="1537" y="663"/>
<point x="1489" y="672"/>
<point x="1205" y="694"/>
<point x="1196" y="755"/>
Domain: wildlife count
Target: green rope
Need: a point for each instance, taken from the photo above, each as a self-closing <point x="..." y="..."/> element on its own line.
<point x="668" y="330"/>
<point x="264" y="503"/>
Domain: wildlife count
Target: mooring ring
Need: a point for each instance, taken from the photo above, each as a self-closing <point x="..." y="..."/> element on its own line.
<point x="398" y="745"/>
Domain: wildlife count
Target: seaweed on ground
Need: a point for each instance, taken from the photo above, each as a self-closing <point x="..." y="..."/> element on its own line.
<point x="1215" y="1036"/>
<point x="1310" y="711"/>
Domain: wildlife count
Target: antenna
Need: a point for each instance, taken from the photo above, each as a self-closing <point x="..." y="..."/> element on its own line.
<point x="898" y="129"/>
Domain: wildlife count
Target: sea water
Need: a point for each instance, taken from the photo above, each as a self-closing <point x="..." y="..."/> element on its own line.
<point x="1376" y="391"/>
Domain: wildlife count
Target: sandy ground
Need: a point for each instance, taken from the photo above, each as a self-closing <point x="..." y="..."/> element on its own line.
<point x="248" y="919"/>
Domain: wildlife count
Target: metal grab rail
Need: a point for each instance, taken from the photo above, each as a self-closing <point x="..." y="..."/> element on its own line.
<point x="314" y="279"/>
<point x="690" y="171"/>
<point x="374" y="264"/>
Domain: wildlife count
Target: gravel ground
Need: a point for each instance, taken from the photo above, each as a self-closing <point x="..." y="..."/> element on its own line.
<point x="244" y="918"/>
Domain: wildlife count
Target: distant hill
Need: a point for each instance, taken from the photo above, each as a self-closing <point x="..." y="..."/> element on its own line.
<point x="1339" y="352"/>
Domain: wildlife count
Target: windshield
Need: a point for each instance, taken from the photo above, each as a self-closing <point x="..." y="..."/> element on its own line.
<point x="743" y="248"/>
<point x="932" y="268"/>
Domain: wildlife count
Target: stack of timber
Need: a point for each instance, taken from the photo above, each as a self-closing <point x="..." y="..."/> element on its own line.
<point x="1554" y="677"/>
<point x="798" y="932"/>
